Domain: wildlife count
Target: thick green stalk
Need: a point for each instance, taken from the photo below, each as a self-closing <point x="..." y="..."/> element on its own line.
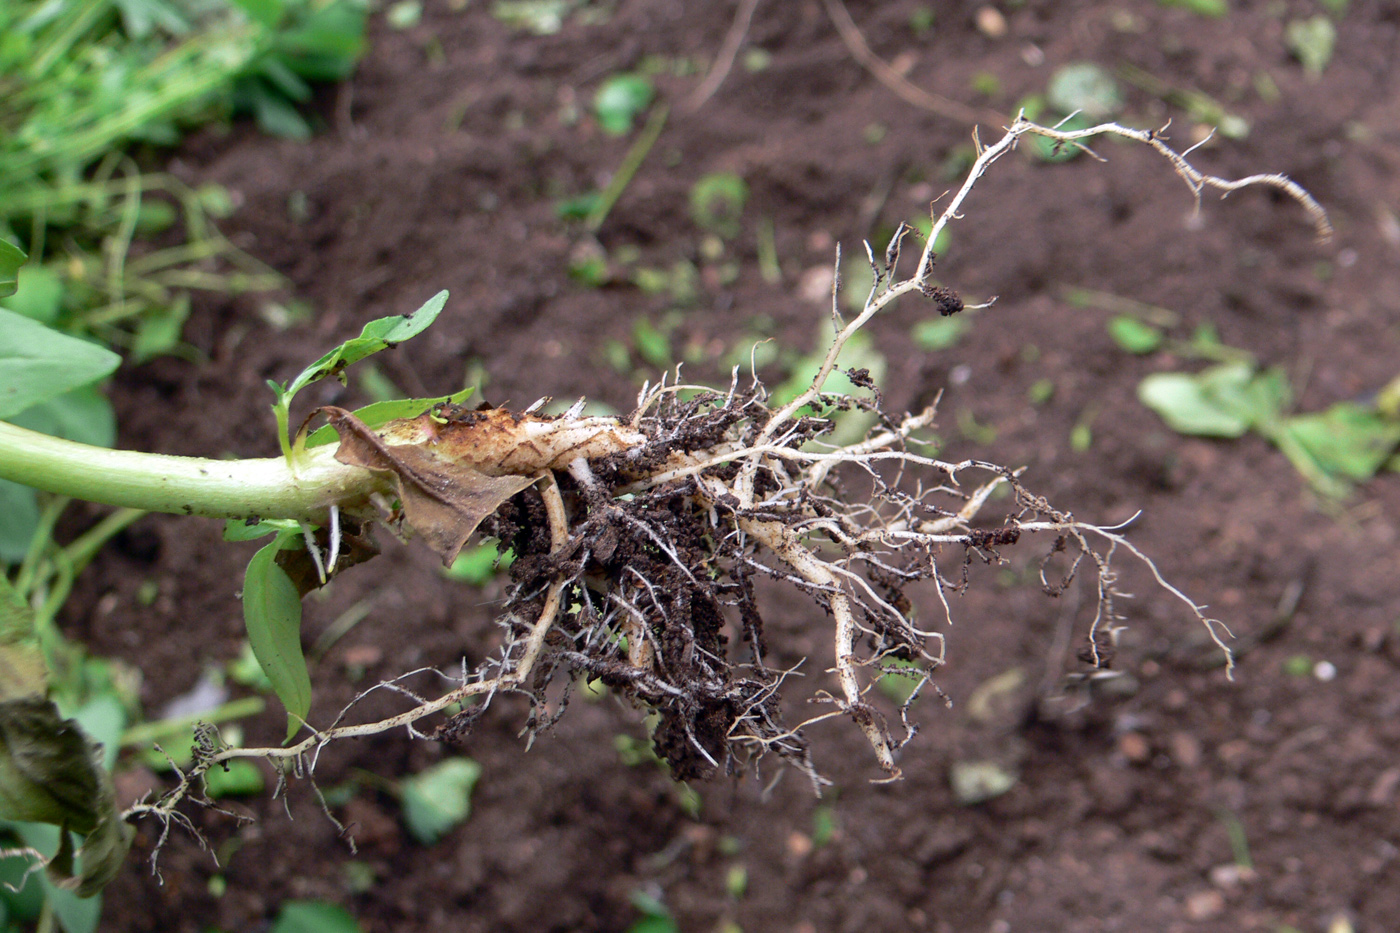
<point x="267" y="488"/>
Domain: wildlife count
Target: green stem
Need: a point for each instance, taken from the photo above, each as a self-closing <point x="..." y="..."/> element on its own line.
<point x="630" y="163"/>
<point x="267" y="488"/>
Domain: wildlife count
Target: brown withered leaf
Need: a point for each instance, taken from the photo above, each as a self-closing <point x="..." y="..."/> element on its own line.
<point x="357" y="545"/>
<point x="443" y="499"/>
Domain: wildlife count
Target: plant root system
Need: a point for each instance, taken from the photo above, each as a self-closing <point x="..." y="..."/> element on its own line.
<point x="640" y="543"/>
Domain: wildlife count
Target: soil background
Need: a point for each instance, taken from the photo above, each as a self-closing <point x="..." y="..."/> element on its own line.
<point x="1168" y="799"/>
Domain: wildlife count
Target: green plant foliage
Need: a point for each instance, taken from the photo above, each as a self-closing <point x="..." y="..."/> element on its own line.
<point x="858" y="353"/>
<point x="541" y="17"/>
<point x="377" y="414"/>
<point x="477" y="566"/>
<point x="272" y="614"/>
<point x="1212" y="8"/>
<point x="1312" y="41"/>
<point x="1086" y="88"/>
<point x="314" y="917"/>
<point x="655" y="917"/>
<point x="1134" y="335"/>
<point x="82" y="80"/>
<point x="379" y="334"/>
<point x="653" y="346"/>
<point x="439" y="798"/>
<point x="895" y="684"/>
<point x="236" y="778"/>
<point x="11" y="258"/>
<point x="1346" y="443"/>
<point x="717" y="202"/>
<point x="940" y="333"/>
<point x="38" y="364"/>
<point x="1347" y="440"/>
<point x="1222" y="401"/>
<point x="618" y="102"/>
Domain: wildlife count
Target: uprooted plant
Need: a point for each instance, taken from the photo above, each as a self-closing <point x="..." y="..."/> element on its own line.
<point x="638" y="541"/>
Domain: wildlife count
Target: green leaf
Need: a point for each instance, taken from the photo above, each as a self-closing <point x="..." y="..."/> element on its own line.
<point x="314" y="917"/>
<point x="240" y="529"/>
<point x="899" y="686"/>
<point x="619" y="101"/>
<point x="20" y="506"/>
<point x="652" y="345"/>
<point x="266" y="13"/>
<point x="940" y="333"/>
<point x="1212" y="8"/>
<point x="477" y="565"/>
<point x="579" y="206"/>
<point x="37" y="363"/>
<point x="439" y="798"/>
<point x="1347" y="440"/>
<point x="1133" y="335"/>
<point x="1086" y="88"/>
<point x="405" y="14"/>
<point x="236" y="778"/>
<point x="272" y="613"/>
<point x="380" y="413"/>
<point x="1312" y="42"/>
<point x="1223" y="401"/>
<point x="11" y="258"/>
<point x="83" y="415"/>
<point x="1048" y="150"/>
<point x="716" y="202"/>
<point x="380" y="334"/>
<point x="39" y="296"/>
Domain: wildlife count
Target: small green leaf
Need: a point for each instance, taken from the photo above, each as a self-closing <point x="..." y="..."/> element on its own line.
<point x="940" y="333"/>
<point x="579" y="206"/>
<point x="716" y="202"/>
<point x="378" y="414"/>
<point x="652" y="345"/>
<point x="439" y="798"/>
<point x="20" y="506"/>
<point x="1346" y="440"/>
<point x="405" y="14"/>
<point x="239" y="529"/>
<point x="264" y="12"/>
<point x="272" y="613"/>
<point x="11" y="258"/>
<point x="40" y="295"/>
<point x="477" y="565"/>
<point x="1312" y="42"/>
<point x="899" y="686"/>
<point x="1223" y="401"/>
<point x="236" y="778"/>
<point x="380" y="334"/>
<point x="37" y="363"/>
<point x="1086" y="88"/>
<point x="1049" y="150"/>
<point x="1133" y="335"/>
<point x="314" y="917"/>
<point x="975" y="782"/>
<point x="619" y="100"/>
<point x="1212" y="8"/>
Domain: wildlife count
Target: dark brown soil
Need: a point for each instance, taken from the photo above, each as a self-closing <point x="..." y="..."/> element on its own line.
<point x="1137" y="804"/>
